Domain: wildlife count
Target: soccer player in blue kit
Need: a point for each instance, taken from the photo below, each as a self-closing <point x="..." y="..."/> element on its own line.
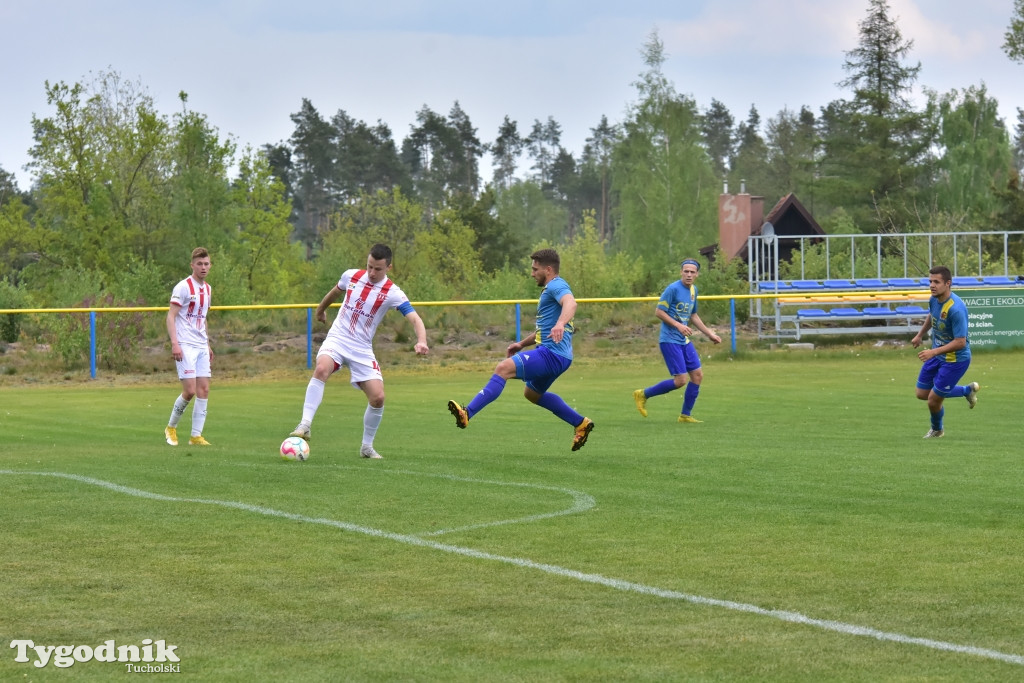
<point x="541" y="367"/>
<point x="950" y="355"/>
<point x="677" y="310"/>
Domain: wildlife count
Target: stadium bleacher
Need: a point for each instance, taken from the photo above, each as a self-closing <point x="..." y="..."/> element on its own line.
<point x="860" y="305"/>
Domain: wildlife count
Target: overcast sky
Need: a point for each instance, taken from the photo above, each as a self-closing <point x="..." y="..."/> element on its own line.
<point x="247" y="64"/>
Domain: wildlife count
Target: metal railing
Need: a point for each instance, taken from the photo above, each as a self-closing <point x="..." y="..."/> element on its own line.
<point x="310" y="308"/>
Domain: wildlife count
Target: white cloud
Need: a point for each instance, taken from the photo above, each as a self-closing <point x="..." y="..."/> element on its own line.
<point x="248" y="65"/>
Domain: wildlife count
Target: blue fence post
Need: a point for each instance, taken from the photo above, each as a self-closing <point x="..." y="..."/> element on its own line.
<point x="309" y="337"/>
<point x="518" y="335"/>
<point x="732" y="323"/>
<point x="92" y="344"/>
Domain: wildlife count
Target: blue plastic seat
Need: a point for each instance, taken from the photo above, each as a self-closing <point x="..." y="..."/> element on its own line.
<point x="807" y="284"/>
<point x="843" y="312"/>
<point x="911" y="310"/>
<point x="960" y="281"/>
<point x="903" y="282"/>
<point x="924" y="281"/>
<point x="838" y="284"/>
<point x="998" y="280"/>
<point x="876" y="310"/>
<point x="870" y="283"/>
<point x="811" y="313"/>
<point x="773" y="285"/>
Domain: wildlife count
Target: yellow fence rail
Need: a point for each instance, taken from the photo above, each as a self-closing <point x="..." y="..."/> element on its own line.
<point x="518" y="303"/>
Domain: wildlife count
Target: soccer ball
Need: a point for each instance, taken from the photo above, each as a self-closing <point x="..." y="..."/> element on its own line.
<point x="294" y="448"/>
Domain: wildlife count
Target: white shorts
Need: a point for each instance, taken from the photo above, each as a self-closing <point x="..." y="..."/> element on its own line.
<point x="195" y="362"/>
<point x="360" y="368"/>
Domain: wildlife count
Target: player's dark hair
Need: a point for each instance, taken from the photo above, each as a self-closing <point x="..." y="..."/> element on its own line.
<point x="381" y="251"/>
<point x="199" y="252"/>
<point x="943" y="272"/>
<point x="546" y="257"/>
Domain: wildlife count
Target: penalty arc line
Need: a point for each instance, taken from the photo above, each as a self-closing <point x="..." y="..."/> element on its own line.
<point x="598" y="579"/>
<point x="581" y="502"/>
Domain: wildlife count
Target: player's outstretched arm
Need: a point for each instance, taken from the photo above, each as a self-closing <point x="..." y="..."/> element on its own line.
<point x="421" y="333"/>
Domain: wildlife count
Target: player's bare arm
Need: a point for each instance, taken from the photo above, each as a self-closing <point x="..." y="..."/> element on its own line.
<point x="568" y="303"/>
<point x="325" y="303"/>
<point x="517" y="346"/>
<point x="927" y="325"/>
<point x="421" y="333"/>
<point x="172" y="313"/>
<point x="705" y="330"/>
<point x="666" y="318"/>
<point x="952" y="347"/>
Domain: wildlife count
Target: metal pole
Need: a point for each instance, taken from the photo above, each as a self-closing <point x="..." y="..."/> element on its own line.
<point x="879" y="252"/>
<point x="309" y="337"/>
<point x="732" y="324"/>
<point x="92" y="344"/>
<point x="518" y="328"/>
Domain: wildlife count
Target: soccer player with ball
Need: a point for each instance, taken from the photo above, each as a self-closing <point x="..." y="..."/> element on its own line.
<point x="367" y="294"/>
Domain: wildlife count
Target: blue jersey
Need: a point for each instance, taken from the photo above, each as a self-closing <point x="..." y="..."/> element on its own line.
<point x="548" y="310"/>
<point x="949" y="321"/>
<point x="680" y="302"/>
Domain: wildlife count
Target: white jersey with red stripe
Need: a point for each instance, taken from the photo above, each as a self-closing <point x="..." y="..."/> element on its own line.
<point x="362" y="308"/>
<point x="190" y="323"/>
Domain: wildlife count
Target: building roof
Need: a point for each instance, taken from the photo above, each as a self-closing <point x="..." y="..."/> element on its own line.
<point x="788" y="217"/>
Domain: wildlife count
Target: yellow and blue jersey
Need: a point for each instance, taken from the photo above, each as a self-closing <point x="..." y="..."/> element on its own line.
<point x="680" y="302"/>
<point x="549" y="308"/>
<point x="949" y="321"/>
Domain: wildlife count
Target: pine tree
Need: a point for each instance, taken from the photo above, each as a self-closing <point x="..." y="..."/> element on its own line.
<point x="717" y="127"/>
<point x="1014" y="44"/>
<point x="875" y="143"/>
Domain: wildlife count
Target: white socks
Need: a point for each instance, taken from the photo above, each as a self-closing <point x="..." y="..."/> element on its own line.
<point x="199" y="416"/>
<point x="314" y="396"/>
<point x="371" y="420"/>
<point x="177" y="411"/>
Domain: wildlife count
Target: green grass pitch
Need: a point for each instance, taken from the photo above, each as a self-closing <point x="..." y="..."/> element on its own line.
<point x="803" y="532"/>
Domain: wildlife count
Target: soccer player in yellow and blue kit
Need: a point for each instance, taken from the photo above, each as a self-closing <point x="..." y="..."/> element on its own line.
<point x="677" y="310"/>
<point x="541" y="367"/>
<point x="950" y="355"/>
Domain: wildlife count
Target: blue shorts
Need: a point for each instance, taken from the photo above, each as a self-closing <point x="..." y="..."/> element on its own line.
<point x="540" y="367"/>
<point x="941" y="376"/>
<point x="679" y="358"/>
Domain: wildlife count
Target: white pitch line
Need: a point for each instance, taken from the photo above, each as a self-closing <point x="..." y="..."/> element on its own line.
<point x="581" y="502"/>
<point x="618" y="584"/>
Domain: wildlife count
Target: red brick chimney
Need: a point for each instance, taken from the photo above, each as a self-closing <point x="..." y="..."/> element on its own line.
<point x="739" y="217"/>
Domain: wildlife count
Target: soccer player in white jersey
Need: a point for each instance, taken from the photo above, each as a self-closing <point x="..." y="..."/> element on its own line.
<point x="190" y="347"/>
<point x="368" y="295"/>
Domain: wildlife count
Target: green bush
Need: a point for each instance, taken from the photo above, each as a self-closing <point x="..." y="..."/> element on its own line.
<point x="10" y="323"/>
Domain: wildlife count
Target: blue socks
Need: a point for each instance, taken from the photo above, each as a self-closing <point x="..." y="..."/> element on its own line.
<point x="553" y="402"/>
<point x="660" y="388"/>
<point x="937" y="418"/>
<point x="690" y="397"/>
<point x="665" y="386"/>
<point x="556" y="405"/>
<point x="489" y="393"/>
